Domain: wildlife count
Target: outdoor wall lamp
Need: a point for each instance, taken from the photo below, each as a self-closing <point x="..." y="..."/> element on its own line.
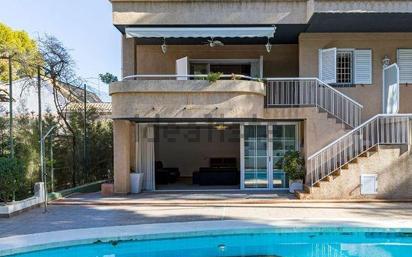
<point x="386" y="61"/>
<point x="268" y="46"/>
<point x="164" y="46"/>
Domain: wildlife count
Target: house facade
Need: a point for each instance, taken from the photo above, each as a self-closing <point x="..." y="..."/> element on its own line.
<point x="215" y="93"/>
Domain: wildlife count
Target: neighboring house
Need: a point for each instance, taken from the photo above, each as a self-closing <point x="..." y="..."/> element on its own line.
<point x="25" y="96"/>
<point x="328" y="68"/>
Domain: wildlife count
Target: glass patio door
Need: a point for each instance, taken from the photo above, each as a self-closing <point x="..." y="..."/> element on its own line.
<point x="262" y="150"/>
<point x="284" y="139"/>
<point x="255" y="145"/>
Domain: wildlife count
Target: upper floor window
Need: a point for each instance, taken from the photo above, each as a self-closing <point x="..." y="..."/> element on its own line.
<point x="405" y="65"/>
<point x="345" y="66"/>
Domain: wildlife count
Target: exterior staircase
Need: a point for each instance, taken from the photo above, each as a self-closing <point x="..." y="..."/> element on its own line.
<point x="339" y="160"/>
<point x="301" y="92"/>
<point x="326" y="187"/>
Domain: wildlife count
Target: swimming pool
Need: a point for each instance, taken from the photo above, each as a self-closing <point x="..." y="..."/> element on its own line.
<point x="328" y="242"/>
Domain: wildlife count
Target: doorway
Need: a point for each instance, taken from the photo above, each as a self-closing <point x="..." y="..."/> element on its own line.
<point x="262" y="150"/>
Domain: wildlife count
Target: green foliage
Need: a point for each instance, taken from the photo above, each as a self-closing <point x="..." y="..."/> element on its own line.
<point x="108" y="78"/>
<point x="4" y="136"/>
<point x="213" y="76"/>
<point x="11" y="177"/>
<point x="22" y="48"/>
<point x="294" y="165"/>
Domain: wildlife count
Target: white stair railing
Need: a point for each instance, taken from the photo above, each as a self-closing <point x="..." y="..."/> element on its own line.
<point x="284" y="92"/>
<point x="390" y="129"/>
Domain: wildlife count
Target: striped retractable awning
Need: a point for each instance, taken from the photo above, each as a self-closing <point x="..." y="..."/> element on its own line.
<point x="200" y="32"/>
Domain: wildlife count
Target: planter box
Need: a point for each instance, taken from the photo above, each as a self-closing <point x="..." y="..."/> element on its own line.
<point x="107" y="189"/>
<point x="13" y="208"/>
<point x="136" y="182"/>
<point x="295" y="185"/>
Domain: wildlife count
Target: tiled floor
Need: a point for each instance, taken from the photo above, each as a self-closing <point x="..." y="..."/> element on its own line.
<point x="132" y="210"/>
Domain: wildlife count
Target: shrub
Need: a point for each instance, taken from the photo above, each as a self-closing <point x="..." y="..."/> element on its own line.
<point x="213" y="76"/>
<point x="294" y="165"/>
<point x="11" y="177"/>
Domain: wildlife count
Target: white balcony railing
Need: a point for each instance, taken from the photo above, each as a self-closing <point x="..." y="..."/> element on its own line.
<point x="186" y="77"/>
<point x="285" y="92"/>
<point x="392" y="129"/>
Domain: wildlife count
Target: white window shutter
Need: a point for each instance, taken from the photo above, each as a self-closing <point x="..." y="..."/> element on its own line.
<point x="182" y="68"/>
<point x="405" y="65"/>
<point x="363" y="66"/>
<point x="327" y="65"/>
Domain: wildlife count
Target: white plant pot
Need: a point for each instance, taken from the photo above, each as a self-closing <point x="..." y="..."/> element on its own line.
<point x="136" y="183"/>
<point x="295" y="185"/>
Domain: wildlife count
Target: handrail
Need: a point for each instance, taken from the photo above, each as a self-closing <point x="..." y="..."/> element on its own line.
<point x="319" y="81"/>
<point x="357" y="128"/>
<point x="313" y="92"/>
<point x="234" y="76"/>
<point x="380" y="129"/>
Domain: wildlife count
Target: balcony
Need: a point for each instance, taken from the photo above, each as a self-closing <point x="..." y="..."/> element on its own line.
<point x="231" y="97"/>
<point x="148" y="97"/>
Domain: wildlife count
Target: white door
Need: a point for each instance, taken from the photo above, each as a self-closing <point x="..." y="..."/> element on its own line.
<point x="182" y="68"/>
<point x="391" y="89"/>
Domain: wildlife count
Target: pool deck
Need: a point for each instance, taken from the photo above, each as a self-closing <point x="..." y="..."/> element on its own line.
<point x="86" y="217"/>
<point x="91" y="210"/>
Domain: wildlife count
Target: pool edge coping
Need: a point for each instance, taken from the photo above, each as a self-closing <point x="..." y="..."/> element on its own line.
<point x="65" y="238"/>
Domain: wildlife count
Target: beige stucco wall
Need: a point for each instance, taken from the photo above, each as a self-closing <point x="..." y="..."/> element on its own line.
<point x="149" y="12"/>
<point x="392" y="164"/>
<point x="282" y="61"/>
<point x="123" y="144"/>
<point x="187" y="99"/>
<point x="382" y="44"/>
<point x="209" y="12"/>
<point x="318" y="128"/>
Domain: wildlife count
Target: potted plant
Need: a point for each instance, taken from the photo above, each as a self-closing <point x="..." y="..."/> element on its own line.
<point x="107" y="188"/>
<point x="294" y="167"/>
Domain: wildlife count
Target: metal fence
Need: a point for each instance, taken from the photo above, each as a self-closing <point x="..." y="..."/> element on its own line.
<point x="381" y="129"/>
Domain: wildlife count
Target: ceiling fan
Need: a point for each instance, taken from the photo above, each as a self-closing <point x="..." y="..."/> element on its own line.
<point x="212" y="43"/>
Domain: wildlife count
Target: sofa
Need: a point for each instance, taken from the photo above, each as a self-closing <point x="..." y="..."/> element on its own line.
<point x="164" y="175"/>
<point x="207" y="176"/>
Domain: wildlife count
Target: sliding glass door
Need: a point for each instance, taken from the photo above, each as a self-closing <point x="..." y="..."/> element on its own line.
<point x="284" y="140"/>
<point x="255" y="156"/>
<point x="262" y="149"/>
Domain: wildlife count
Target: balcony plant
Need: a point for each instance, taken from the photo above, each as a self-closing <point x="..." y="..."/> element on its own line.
<point x="213" y="76"/>
<point x="294" y="167"/>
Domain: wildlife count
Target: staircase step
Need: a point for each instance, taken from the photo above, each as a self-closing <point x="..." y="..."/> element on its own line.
<point x="302" y="195"/>
<point x="307" y="189"/>
<point x="327" y="178"/>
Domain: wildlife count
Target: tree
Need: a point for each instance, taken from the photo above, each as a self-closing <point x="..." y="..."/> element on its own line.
<point x="11" y="177"/>
<point x="108" y="78"/>
<point x="59" y="66"/>
<point x="22" y="48"/>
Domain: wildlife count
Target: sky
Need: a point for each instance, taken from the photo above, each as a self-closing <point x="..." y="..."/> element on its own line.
<point x="84" y="26"/>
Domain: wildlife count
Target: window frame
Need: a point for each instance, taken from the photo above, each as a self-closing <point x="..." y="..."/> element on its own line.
<point x="397" y="61"/>
<point x="352" y="66"/>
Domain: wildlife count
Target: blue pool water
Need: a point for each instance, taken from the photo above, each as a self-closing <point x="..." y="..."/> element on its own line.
<point x="253" y="243"/>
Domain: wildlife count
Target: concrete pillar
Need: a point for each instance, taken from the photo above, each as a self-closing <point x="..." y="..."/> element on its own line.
<point x="121" y="147"/>
<point x="128" y="56"/>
